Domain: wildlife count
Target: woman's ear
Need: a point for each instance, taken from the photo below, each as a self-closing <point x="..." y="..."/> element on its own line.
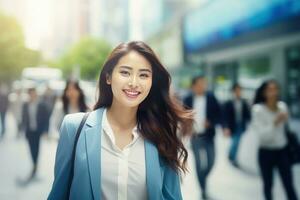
<point x="108" y="79"/>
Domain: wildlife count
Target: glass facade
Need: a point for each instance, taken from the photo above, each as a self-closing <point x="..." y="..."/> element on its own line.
<point x="249" y="73"/>
<point x="224" y="75"/>
<point x="292" y="91"/>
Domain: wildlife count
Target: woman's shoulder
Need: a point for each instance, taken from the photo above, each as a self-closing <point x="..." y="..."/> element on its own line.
<point x="73" y="118"/>
<point x="282" y="106"/>
<point x="72" y="121"/>
<point x="258" y="108"/>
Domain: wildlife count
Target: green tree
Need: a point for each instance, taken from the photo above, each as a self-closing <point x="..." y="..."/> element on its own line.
<point x="89" y="54"/>
<point x="14" y="56"/>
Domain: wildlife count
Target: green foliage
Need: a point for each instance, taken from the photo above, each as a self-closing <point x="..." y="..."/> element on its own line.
<point x="14" y="56"/>
<point x="89" y="54"/>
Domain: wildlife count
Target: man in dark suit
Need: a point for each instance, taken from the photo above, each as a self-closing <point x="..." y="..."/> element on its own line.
<point x="207" y="116"/>
<point x="34" y="123"/>
<point x="236" y="115"/>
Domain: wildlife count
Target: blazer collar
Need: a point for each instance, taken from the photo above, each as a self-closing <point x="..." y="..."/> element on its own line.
<point x="95" y="117"/>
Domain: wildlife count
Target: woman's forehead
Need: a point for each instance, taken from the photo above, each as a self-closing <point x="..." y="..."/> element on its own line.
<point x="134" y="60"/>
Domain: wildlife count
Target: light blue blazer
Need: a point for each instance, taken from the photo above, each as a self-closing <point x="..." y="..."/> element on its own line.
<point x="162" y="181"/>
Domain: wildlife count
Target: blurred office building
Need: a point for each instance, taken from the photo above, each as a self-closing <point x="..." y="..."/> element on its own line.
<point x="246" y="41"/>
<point x="109" y="20"/>
<point x="166" y="38"/>
<point x="235" y="41"/>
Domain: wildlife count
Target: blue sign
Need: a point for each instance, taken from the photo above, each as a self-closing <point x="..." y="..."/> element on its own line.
<point x="223" y="20"/>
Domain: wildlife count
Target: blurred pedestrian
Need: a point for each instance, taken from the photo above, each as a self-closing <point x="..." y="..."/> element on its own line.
<point x="3" y="109"/>
<point x="16" y="105"/>
<point x="72" y="101"/>
<point x="236" y="115"/>
<point x="207" y="116"/>
<point x="33" y="122"/>
<point x="128" y="148"/>
<point x="49" y="98"/>
<point x="269" y="118"/>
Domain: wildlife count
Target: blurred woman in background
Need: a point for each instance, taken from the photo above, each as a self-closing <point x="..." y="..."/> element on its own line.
<point x="270" y="117"/>
<point x="72" y="101"/>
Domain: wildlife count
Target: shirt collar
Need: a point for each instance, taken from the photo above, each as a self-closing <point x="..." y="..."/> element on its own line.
<point x="109" y="132"/>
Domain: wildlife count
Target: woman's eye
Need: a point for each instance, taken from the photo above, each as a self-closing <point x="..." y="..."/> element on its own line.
<point x="125" y="73"/>
<point x="144" y="75"/>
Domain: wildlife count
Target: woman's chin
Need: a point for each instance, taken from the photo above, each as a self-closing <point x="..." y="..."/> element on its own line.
<point x="130" y="103"/>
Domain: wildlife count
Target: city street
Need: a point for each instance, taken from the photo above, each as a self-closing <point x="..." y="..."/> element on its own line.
<point x="218" y="58"/>
<point x="16" y="166"/>
<point x="225" y="181"/>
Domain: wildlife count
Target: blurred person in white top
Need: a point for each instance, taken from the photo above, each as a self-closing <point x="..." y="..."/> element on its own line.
<point x="72" y="101"/>
<point x="269" y="118"/>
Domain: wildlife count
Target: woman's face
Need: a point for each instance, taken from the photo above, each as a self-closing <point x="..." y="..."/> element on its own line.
<point x="271" y="92"/>
<point x="131" y="80"/>
<point x="72" y="92"/>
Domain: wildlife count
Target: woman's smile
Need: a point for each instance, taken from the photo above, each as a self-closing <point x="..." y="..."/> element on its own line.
<point x="132" y="94"/>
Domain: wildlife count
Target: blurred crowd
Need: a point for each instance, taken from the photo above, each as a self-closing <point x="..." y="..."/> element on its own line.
<point x="40" y="115"/>
<point x="267" y="117"/>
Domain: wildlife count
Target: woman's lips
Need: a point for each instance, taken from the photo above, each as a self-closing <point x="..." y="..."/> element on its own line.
<point x="131" y="93"/>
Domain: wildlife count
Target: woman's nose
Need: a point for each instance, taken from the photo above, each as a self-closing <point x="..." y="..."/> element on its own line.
<point x="133" y="81"/>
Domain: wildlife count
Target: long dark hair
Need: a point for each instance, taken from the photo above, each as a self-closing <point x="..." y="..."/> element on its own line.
<point x="260" y="92"/>
<point x="81" y="101"/>
<point x="160" y="116"/>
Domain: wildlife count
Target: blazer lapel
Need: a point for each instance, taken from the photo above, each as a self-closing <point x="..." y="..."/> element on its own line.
<point x="153" y="172"/>
<point x="93" y="149"/>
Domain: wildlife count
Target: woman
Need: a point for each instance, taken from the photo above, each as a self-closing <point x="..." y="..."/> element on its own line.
<point x="269" y="119"/>
<point x="72" y="101"/>
<point x="129" y="147"/>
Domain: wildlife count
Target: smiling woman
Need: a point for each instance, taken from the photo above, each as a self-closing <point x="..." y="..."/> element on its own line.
<point x="129" y="147"/>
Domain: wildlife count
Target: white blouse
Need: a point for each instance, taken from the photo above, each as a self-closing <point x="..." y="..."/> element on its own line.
<point x="270" y="136"/>
<point x="123" y="172"/>
<point x="200" y="114"/>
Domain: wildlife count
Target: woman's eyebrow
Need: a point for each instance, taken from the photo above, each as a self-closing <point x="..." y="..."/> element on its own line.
<point x="145" y="70"/>
<point x="141" y="70"/>
<point x="126" y="67"/>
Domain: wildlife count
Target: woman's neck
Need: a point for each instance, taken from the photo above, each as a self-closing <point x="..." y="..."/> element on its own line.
<point x="123" y="118"/>
<point x="73" y="103"/>
<point x="272" y="105"/>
